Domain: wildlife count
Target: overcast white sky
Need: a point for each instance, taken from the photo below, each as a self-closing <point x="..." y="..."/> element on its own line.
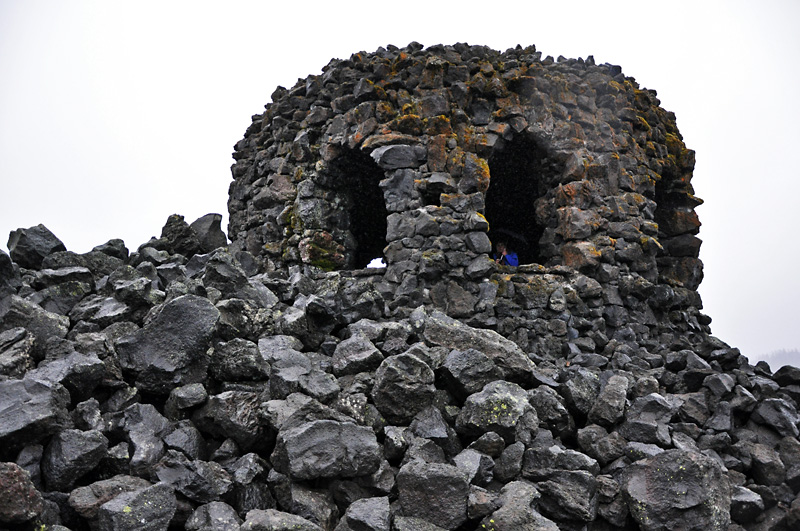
<point x="114" y="115"/>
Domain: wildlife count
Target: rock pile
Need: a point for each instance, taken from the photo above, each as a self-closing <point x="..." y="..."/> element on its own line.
<point x="157" y="389"/>
<point x="271" y="383"/>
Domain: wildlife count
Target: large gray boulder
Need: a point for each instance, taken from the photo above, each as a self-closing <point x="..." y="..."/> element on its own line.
<point x="20" y="501"/>
<point x="677" y="489"/>
<point x="435" y="492"/>
<point x="147" y="509"/>
<point x="501" y="407"/>
<point x="171" y="349"/>
<point x="439" y="329"/>
<point x="18" y="312"/>
<point x="233" y="414"/>
<point x="326" y="449"/>
<point x="403" y="387"/>
<point x="31" y="410"/>
<point x="274" y="520"/>
<point x="28" y="247"/>
<point x="517" y="512"/>
<point x="70" y="455"/>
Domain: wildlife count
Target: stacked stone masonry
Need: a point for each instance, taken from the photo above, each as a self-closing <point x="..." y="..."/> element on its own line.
<point x="276" y="383"/>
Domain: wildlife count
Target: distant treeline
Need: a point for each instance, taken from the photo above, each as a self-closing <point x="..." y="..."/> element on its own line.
<point x="779" y="358"/>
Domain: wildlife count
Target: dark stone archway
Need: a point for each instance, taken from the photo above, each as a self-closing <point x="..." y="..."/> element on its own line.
<point x="358" y="180"/>
<point x="517" y="181"/>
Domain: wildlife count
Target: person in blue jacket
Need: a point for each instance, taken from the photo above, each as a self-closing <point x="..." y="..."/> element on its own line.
<point x="505" y="256"/>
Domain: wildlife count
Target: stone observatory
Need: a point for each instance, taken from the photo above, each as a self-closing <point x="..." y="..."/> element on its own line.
<point x="281" y="381"/>
<point x="422" y="157"/>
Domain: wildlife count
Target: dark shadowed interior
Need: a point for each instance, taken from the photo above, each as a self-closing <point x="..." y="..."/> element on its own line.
<point x="366" y="209"/>
<point x="516" y="183"/>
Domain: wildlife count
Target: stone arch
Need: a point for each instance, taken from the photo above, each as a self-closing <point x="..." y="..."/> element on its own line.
<point x="519" y="177"/>
<point x="363" y="214"/>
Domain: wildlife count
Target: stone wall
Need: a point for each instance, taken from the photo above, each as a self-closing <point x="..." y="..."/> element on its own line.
<point x="572" y="155"/>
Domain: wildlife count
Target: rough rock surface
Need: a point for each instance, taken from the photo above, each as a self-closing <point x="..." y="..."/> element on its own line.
<point x="273" y="383"/>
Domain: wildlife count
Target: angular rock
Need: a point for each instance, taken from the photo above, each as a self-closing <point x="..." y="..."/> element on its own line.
<point x="326" y="449"/>
<point x="403" y="387"/>
<point x="439" y="329"/>
<point x="746" y="505"/>
<point x="434" y="492"/>
<point x="677" y="490"/>
<point x="79" y="373"/>
<point x="780" y="415"/>
<point x="17" y="312"/>
<point x="86" y="501"/>
<point x="273" y="520"/>
<point x="501" y="407"/>
<point x="171" y="349"/>
<point x="355" y="354"/>
<point x="569" y="495"/>
<point x="478" y="467"/>
<point x="767" y="467"/>
<point x="466" y="372"/>
<point x="16" y="352"/>
<point x="517" y="512"/>
<point x="145" y="427"/>
<point x="20" y="501"/>
<point x="368" y="514"/>
<point x="186" y="439"/>
<point x="31" y="410"/>
<point x="233" y="414"/>
<point x="213" y="516"/>
<point x="209" y="232"/>
<point x="430" y="424"/>
<point x="238" y="360"/>
<point x="147" y="509"/>
<point x="70" y="455"/>
<point x="551" y="410"/>
<point x="647" y="419"/>
<point x="610" y="405"/>
<point x="180" y="237"/>
<point x="200" y="481"/>
<point x="581" y="389"/>
<point x="28" y="247"/>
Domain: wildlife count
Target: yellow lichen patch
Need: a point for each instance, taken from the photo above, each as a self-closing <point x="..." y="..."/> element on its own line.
<point x="438" y="125"/>
<point x="410" y="124"/>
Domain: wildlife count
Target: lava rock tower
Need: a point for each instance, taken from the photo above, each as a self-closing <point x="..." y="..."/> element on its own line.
<point x="276" y="382"/>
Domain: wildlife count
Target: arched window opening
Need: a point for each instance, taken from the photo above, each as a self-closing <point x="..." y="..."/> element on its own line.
<point x="358" y="179"/>
<point x="516" y="183"/>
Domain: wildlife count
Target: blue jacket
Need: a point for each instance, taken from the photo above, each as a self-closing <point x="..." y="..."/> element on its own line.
<point x="510" y="258"/>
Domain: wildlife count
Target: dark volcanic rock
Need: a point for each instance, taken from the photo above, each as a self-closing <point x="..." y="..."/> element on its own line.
<point x="28" y="247"/>
<point x="677" y="490"/>
<point x="233" y="414"/>
<point x="273" y="520"/>
<point x="434" y="492"/>
<point x="86" y="501"/>
<point x="31" y="410"/>
<point x="146" y="509"/>
<point x="501" y="407"/>
<point x="214" y="516"/>
<point x="171" y="349"/>
<point x="403" y="387"/>
<point x="339" y="449"/>
<point x="209" y="233"/>
<point x="70" y="455"/>
<point x="20" y="501"/>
